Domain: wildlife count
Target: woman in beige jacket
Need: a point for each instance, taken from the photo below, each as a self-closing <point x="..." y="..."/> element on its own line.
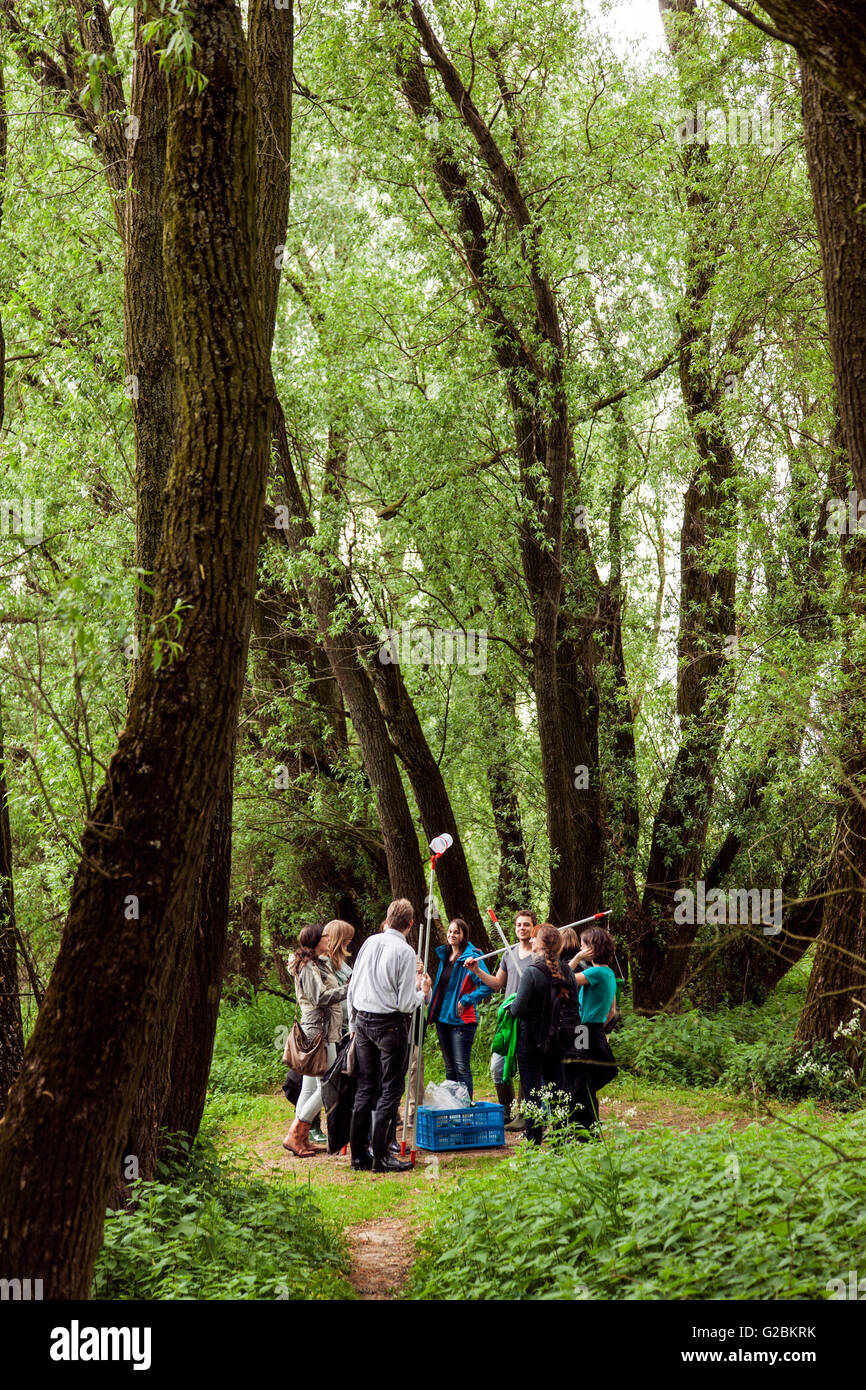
<point x="320" y="995"/>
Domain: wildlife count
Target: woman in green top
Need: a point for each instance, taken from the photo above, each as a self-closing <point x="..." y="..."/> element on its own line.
<point x="593" y="1064"/>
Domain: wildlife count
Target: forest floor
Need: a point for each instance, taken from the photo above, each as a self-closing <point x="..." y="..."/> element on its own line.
<point x="383" y="1215"/>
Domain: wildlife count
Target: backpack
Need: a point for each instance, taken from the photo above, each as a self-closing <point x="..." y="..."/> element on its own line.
<point x="559" y="1023"/>
<point x="564" y="1023"/>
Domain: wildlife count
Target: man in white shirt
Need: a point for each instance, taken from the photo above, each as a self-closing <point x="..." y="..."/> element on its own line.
<point x="383" y="995"/>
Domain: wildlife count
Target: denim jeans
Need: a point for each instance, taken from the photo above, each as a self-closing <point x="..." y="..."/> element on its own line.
<point x="455" y="1040"/>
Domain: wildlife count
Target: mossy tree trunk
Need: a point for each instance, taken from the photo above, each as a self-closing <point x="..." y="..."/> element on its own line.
<point x="836" y="156"/>
<point x="659" y="948"/>
<point x="11" y="1030"/>
<point x="125" y="946"/>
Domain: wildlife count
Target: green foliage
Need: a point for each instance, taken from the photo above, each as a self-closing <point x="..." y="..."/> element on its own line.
<point x="739" y="1050"/>
<point x="762" y="1214"/>
<point x="248" y="1049"/>
<point x="217" y="1232"/>
<point x="172" y="30"/>
<point x="793" y="1071"/>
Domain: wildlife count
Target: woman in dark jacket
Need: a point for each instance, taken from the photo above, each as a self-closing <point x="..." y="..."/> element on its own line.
<point x="539" y="1057"/>
<point x="452" y="1003"/>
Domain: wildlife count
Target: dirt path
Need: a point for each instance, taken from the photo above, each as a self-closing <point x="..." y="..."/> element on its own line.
<point x="381" y="1253"/>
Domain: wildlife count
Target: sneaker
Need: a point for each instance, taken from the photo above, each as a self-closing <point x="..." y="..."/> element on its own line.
<point x="317" y="1137"/>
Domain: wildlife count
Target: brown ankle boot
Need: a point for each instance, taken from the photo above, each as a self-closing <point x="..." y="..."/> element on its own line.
<point x="297" y="1141"/>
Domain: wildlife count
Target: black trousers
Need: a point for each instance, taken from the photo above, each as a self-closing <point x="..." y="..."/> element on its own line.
<point x="536" y="1071"/>
<point x="381" y="1059"/>
<point x="586" y="1072"/>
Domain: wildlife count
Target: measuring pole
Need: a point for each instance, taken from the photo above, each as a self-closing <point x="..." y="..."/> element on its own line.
<point x="584" y="921"/>
<point x="596" y="916"/>
<point x="439" y="845"/>
<point x="495" y="920"/>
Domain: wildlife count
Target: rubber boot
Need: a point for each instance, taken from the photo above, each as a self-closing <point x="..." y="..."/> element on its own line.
<point x="317" y="1135"/>
<point x="505" y="1096"/>
<point x="383" y="1161"/>
<point x="518" y="1124"/>
<point x="358" y="1135"/>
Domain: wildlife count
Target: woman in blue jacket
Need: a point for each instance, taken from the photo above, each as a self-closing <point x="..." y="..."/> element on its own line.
<point x="452" y="1003"/>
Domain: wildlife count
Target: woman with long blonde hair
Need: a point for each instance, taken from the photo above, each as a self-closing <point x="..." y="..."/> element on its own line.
<point x="340" y="935"/>
<point x="333" y="965"/>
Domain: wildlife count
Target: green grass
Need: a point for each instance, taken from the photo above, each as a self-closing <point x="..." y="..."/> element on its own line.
<point x="413" y="1196"/>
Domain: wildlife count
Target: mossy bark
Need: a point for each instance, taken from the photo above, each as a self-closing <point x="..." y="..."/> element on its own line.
<point x="836" y="157"/>
<point x="122" y="956"/>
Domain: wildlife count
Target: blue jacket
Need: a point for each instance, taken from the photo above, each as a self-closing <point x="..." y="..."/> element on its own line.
<point x="462" y="985"/>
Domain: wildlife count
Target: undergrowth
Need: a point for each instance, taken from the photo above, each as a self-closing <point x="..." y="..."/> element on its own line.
<point x="212" y="1230"/>
<point x="765" y="1213"/>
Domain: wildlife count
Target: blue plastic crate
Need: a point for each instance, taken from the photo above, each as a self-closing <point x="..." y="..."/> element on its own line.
<point x="480" y="1126"/>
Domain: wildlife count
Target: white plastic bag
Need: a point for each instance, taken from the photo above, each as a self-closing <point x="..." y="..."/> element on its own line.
<point x="459" y="1095"/>
<point x="449" y="1095"/>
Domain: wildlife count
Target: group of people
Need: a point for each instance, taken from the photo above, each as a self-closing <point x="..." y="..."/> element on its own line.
<point x="560" y="989"/>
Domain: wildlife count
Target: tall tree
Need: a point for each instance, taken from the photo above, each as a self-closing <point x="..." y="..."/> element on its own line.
<point x="836" y="155"/>
<point x="62" y="1137"/>
<point x="535" y="384"/>
<point x="11" y="1029"/>
<point x="659" y="947"/>
<point x="185" y="1048"/>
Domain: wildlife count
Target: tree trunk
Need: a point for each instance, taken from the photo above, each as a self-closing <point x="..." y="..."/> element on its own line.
<point x="431" y="796"/>
<point x="11" y="1027"/>
<point x="195" y="1026"/>
<point x="496" y="707"/>
<point x="836" y="156"/>
<point x="150" y="367"/>
<point x="120" y="964"/>
<point x="343" y="874"/>
<point x="345" y="658"/>
<point x="659" y="947"/>
<point x="184" y="1049"/>
<point x="251" y="941"/>
<point x="150" y="385"/>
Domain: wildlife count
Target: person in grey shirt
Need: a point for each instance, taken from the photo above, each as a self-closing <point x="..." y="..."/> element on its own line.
<point x="507" y="978"/>
<point x="384" y="992"/>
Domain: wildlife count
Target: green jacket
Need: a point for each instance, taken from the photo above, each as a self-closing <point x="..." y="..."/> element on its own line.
<point x="505" y="1038"/>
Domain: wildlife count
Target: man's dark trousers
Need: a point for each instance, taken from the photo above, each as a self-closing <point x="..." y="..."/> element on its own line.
<point x="381" y="1059"/>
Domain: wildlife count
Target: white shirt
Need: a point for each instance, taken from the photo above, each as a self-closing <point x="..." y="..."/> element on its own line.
<point x="383" y="980"/>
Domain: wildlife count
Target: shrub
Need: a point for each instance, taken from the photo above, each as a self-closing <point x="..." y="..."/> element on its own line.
<point x="740" y="1049"/>
<point x="248" y="1048"/>
<point x="216" y="1232"/>
<point x="793" y="1072"/>
<point x="766" y="1213"/>
<point x="688" y="1048"/>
